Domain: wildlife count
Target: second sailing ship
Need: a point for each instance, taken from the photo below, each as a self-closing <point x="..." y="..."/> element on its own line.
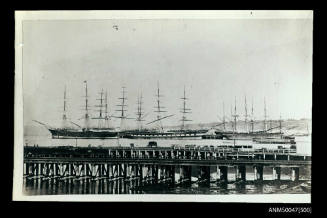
<point x="159" y="132"/>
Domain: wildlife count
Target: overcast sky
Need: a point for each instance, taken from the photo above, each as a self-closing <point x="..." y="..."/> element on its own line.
<point x="216" y="61"/>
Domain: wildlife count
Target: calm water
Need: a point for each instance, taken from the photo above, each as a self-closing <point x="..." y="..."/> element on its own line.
<point x="35" y="187"/>
<point x="118" y="187"/>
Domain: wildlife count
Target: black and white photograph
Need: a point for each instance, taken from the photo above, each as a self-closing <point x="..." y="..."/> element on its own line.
<point x="203" y="106"/>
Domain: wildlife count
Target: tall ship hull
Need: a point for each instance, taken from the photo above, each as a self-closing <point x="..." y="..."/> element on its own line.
<point x="163" y="135"/>
<point x="84" y="134"/>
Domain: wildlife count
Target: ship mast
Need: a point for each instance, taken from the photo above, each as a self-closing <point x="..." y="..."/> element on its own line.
<point x="252" y="118"/>
<point x="224" y="121"/>
<point x="231" y="114"/>
<point x="86" y="118"/>
<point x="246" y="116"/>
<point x="64" y="115"/>
<point x="265" y="115"/>
<point x="139" y="112"/>
<point x="100" y="109"/>
<point x="106" y="118"/>
<point x="235" y="117"/>
<point x="159" y="109"/>
<point x="122" y="110"/>
<point x="280" y="125"/>
<point x="101" y="101"/>
<point x="184" y="111"/>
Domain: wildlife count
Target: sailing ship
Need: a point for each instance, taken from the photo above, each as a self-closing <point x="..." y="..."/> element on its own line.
<point x="248" y="134"/>
<point x="87" y="132"/>
<point x="159" y="132"/>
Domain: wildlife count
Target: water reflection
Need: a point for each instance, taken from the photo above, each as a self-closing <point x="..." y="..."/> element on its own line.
<point x="56" y="187"/>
